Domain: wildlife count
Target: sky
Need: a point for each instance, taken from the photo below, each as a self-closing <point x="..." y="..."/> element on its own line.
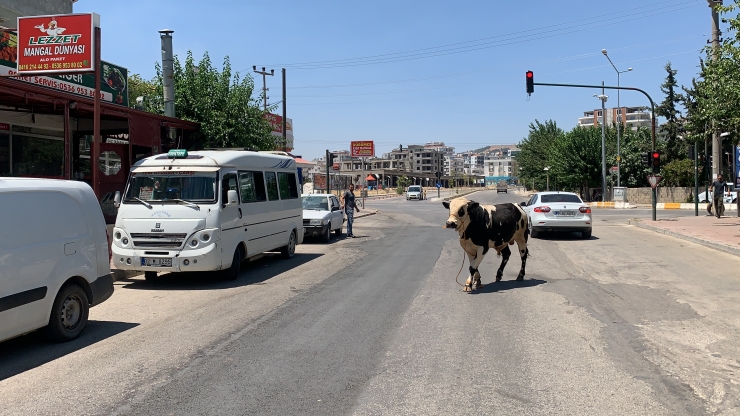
<point x="411" y="72"/>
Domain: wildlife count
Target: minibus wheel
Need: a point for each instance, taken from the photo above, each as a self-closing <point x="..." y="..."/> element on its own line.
<point x="289" y="251"/>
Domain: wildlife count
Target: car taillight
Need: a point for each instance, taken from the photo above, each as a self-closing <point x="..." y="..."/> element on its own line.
<point x="544" y="208"/>
<point x="585" y="210"/>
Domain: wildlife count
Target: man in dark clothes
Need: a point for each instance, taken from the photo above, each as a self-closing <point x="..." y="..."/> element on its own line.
<point x="718" y="189"/>
<point x="348" y="202"/>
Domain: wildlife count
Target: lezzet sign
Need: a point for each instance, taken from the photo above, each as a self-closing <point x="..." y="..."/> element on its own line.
<point x="53" y="44"/>
<point x="362" y="148"/>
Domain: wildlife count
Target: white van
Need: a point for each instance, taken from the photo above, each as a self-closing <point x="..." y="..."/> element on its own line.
<point x="207" y="210"/>
<point x="54" y="261"/>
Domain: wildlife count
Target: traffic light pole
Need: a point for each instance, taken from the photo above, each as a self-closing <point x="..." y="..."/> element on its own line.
<point x="328" y="182"/>
<point x="696" y="180"/>
<point x="652" y="105"/>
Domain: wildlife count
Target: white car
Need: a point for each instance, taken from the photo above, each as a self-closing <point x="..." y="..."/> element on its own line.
<point x="322" y="214"/>
<point x="415" y="192"/>
<point x="558" y="211"/>
<point x="728" y="199"/>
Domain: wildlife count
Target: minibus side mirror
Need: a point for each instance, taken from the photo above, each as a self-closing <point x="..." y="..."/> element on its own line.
<point x="117" y="199"/>
<point x="232" y="196"/>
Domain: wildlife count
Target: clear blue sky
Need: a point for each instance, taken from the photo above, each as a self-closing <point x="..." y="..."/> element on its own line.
<point x="468" y="95"/>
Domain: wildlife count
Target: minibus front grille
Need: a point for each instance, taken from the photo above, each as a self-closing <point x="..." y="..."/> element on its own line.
<point x="152" y="240"/>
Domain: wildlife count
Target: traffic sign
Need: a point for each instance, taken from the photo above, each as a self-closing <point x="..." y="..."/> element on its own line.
<point x="614" y="169"/>
<point x="654" y="180"/>
<point x="439" y="185"/>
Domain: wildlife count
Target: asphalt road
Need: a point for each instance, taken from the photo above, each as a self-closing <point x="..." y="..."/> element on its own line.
<point x="628" y="322"/>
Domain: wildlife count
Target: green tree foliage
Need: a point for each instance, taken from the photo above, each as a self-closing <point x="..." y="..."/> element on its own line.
<point x="679" y="173"/>
<point x="576" y="159"/>
<point x="536" y="152"/>
<point x="221" y="101"/>
<point x="675" y="147"/>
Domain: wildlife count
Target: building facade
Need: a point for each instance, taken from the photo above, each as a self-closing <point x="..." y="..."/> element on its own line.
<point x="12" y="9"/>
<point x="500" y="169"/>
<point x="633" y="117"/>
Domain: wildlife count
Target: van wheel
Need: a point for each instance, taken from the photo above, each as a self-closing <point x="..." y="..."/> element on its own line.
<point x="68" y="313"/>
<point x="150" y="276"/>
<point x="232" y="273"/>
<point x="289" y="251"/>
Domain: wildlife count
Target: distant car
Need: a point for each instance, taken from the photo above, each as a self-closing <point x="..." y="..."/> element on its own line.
<point x="502" y="187"/>
<point x="415" y="192"/>
<point x="322" y="214"/>
<point x="558" y="211"/>
<point x="728" y="199"/>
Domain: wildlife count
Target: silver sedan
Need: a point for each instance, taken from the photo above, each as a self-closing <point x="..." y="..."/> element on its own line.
<point x="558" y="211"/>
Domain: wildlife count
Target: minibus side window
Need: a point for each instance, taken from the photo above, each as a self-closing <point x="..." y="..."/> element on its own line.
<point x="252" y="186"/>
<point x="288" y="187"/>
<point x="272" y="186"/>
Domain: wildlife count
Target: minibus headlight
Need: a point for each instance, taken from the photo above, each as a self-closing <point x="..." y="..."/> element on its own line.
<point x="193" y="243"/>
<point x="118" y="235"/>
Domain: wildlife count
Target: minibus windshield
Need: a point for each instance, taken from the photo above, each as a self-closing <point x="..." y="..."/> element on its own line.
<point x="172" y="187"/>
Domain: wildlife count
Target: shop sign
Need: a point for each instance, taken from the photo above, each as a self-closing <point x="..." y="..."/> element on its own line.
<point x="113" y="82"/>
<point x="276" y="122"/>
<point x="58" y="43"/>
<point x="364" y="148"/>
<point x="4" y="126"/>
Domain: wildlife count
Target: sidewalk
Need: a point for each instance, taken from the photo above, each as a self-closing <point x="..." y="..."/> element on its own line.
<point x="721" y="234"/>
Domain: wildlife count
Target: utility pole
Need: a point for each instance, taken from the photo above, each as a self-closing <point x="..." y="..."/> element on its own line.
<point x="603" y="99"/>
<point x="285" y="117"/>
<point x="264" y="74"/>
<point x="716" y="139"/>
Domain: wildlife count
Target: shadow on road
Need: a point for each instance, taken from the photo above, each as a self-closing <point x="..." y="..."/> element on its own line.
<point x="34" y="350"/>
<point x="562" y="236"/>
<point x="253" y="272"/>
<point x="504" y="285"/>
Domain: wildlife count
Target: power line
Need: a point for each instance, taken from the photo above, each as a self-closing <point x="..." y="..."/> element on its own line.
<point x="510" y="38"/>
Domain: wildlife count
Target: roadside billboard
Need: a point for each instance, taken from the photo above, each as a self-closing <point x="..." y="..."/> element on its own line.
<point x="58" y="43"/>
<point x="276" y="122"/>
<point x="737" y="167"/>
<point x="113" y="82"/>
<point x="362" y="148"/>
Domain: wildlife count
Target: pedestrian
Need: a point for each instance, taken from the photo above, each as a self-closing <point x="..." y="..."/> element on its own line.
<point x="718" y="190"/>
<point x="349" y="205"/>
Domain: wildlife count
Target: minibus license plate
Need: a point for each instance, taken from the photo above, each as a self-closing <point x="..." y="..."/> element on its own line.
<point x="156" y="262"/>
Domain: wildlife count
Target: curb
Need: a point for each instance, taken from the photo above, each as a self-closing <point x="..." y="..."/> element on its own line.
<point x="459" y="195"/>
<point x="706" y="243"/>
<point x="369" y="213"/>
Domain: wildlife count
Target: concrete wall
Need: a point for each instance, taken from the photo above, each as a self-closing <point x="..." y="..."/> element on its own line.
<point x="672" y="194"/>
<point x="11" y="9"/>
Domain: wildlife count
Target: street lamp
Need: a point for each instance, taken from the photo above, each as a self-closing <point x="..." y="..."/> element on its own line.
<point x="547" y="170"/>
<point x="619" y="123"/>
<point x="603" y="99"/>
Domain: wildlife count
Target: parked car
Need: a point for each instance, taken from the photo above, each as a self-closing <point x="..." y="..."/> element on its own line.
<point x="322" y="214"/>
<point x="558" y="211"/>
<point x="55" y="263"/>
<point x="728" y="199"/>
<point x="415" y="192"/>
<point x="502" y="187"/>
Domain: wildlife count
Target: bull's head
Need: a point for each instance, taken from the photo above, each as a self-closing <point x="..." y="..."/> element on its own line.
<point x="459" y="209"/>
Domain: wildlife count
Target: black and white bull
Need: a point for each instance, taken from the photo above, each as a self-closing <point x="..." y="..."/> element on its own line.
<point x="483" y="227"/>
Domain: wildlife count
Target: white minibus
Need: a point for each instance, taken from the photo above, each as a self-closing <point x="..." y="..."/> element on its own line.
<point x="207" y="210"/>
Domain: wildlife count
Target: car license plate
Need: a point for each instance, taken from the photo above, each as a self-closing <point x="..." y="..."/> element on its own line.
<point x="156" y="262"/>
<point x="565" y="213"/>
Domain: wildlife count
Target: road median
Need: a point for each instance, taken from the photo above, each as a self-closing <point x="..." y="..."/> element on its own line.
<point x="716" y="233"/>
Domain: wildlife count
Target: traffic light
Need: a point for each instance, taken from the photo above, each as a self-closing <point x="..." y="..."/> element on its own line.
<point x="690" y="151"/>
<point x="331" y="158"/>
<point x="646" y="159"/>
<point x="530" y="82"/>
<point x="655" y="158"/>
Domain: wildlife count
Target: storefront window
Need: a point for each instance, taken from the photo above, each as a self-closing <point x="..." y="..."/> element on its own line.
<point x="110" y="163"/>
<point x="37" y="156"/>
<point x="4" y="154"/>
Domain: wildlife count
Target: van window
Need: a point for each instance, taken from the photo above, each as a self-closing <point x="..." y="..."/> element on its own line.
<point x="252" y="186"/>
<point x="34" y="217"/>
<point x="288" y="187"/>
<point x="158" y="186"/>
<point x="228" y="184"/>
<point x="272" y="186"/>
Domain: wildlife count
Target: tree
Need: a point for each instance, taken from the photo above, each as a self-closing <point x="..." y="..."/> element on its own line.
<point x="576" y="159"/>
<point x="536" y="151"/>
<point x="675" y="148"/>
<point x="679" y="173"/>
<point x="221" y="101"/>
<point x="147" y="90"/>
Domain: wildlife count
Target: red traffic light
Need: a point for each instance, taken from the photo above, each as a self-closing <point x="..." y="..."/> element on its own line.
<point x="530" y="74"/>
<point x="656" y="155"/>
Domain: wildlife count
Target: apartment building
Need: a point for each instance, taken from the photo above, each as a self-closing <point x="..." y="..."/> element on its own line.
<point x="633" y="117"/>
<point x="500" y="169"/>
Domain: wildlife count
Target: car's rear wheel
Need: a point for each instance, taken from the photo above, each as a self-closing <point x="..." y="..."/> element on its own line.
<point x="68" y="313"/>
<point x="586" y="234"/>
<point x="534" y="233"/>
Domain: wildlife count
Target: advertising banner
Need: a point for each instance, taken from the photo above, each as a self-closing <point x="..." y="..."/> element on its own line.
<point x="113" y="82"/>
<point x="737" y="167"/>
<point x="276" y="122"/>
<point x="59" y="43"/>
<point x="362" y="149"/>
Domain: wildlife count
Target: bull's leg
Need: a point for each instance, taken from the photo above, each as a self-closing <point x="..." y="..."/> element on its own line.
<point x="505" y="254"/>
<point x="524" y="253"/>
<point x="469" y="283"/>
<point x="474" y="278"/>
